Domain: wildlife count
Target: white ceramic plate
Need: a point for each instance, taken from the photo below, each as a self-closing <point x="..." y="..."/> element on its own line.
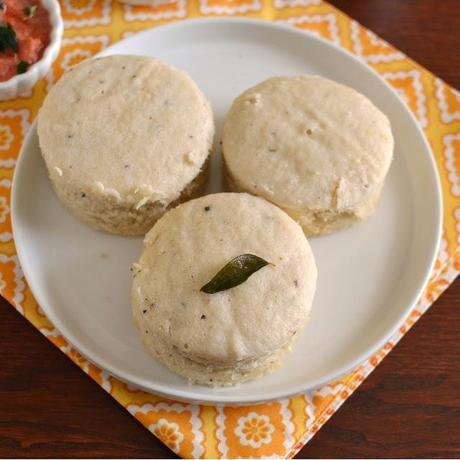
<point x="369" y="276"/>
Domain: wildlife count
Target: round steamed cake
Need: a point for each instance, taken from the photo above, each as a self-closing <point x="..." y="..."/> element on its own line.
<point x="318" y="149"/>
<point x="237" y="334"/>
<point x="124" y="138"/>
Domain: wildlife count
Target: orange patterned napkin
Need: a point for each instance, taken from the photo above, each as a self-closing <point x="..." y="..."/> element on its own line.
<point x="279" y="428"/>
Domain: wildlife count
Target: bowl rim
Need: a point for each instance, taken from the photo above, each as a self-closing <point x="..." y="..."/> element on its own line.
<point x="57" y="29"/>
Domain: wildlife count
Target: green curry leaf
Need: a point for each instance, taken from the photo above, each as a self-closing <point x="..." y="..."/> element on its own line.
<point x="237" y="271"/>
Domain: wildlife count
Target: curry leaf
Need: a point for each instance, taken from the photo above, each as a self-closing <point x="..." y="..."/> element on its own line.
<point x="237" y="271"/>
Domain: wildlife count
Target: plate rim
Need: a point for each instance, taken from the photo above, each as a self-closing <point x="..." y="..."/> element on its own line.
<point x="188" y="396"/>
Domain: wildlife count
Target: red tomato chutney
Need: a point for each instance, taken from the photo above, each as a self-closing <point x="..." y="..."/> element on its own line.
<point x="24" y="34"/>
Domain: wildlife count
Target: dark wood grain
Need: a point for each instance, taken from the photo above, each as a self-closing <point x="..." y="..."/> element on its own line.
<point x="428" y="31"/>
<point x="409" y="407"/>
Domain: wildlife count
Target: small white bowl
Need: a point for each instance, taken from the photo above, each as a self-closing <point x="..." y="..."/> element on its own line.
<point x="22" y="83"/>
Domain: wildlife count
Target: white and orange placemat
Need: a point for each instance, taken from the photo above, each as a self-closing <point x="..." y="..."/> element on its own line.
<point x="282" y="427"/>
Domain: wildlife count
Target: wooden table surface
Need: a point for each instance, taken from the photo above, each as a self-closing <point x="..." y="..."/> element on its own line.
<point x="409" y="406"/>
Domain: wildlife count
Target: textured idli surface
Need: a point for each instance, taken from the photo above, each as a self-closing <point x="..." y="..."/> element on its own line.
<point x="123" y="138"/>
<point x="318" y="149"/>
<point x="237" y="334"/>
